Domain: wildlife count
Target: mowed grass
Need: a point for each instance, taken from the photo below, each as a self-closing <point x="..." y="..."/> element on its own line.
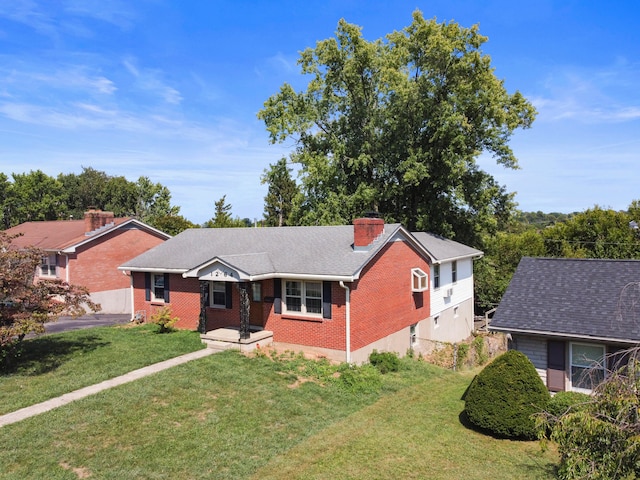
<point x="51" y="365"/>
<point x="228" y="416"/>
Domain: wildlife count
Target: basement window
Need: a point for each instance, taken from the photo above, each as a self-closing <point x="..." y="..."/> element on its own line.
<point x="419" y="280"/>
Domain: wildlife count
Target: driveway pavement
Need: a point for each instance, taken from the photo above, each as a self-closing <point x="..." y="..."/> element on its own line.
<point x="86" y="321"/>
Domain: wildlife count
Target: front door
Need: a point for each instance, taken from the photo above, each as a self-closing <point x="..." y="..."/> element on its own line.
<point x="255" y="309"/>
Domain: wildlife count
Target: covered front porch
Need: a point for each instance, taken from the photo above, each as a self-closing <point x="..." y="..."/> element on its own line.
<point x="229" y="338"/>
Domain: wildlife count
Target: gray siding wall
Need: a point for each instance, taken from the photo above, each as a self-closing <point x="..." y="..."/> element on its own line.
<point x="535" y="349"/>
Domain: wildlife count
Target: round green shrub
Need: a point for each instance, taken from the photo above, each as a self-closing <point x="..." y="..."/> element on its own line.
<point x="562" y="402"/>
<point x="503" y="397"/>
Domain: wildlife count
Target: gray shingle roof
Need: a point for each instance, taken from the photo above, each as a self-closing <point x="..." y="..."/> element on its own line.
<point x="441" y="248"/>
<point x="573" y="297"/>
<point x="323" y="250"/>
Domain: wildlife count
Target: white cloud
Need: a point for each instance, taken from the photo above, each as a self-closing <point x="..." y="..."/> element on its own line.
<point x="149" y="80"/>
<point x="606" y="94"/>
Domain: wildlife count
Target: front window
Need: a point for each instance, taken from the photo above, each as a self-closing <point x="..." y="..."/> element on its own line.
<point x="48" y="266"/>
<point x="303" y="297"/>
<point x="218" y="294"/>
<point x="157" y="287"/>
<point x="454" y="271"/>
<point x="436" y="276"/>
<point x="587" y="366"/>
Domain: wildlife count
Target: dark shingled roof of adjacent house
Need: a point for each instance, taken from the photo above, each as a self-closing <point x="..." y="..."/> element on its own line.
<point x="581" y="298"/>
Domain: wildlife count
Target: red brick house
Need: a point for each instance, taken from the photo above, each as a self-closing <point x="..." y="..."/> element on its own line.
<point x="88" y="252"/>
<point x="340" y="291"/>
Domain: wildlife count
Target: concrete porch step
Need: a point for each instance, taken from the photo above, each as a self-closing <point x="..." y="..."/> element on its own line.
<point x="228" y="338"/>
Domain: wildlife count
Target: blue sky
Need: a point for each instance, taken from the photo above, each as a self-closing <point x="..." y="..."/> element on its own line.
<point x="169" y="89"/>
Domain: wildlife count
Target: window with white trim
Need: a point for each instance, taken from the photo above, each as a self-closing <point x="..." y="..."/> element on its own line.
<point x="419" y="280"/>
<point x="48" y="266"/>
<point x="218" y="294"/>
<point x="303" y="297"/>
<point x="157" y="287"/>
<point x="436" y="276"/>
<point x="454" y="271"/>
<point x="587" y="366"/>
<point x="413" y="334"/>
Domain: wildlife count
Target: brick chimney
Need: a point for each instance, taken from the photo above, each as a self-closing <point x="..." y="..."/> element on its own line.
<point x="96" y="218"/>
<point x="365" y="231"/>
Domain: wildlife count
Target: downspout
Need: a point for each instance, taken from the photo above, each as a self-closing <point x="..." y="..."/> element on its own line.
<point x="133" y="307"/>
<point x="347" y="321"/>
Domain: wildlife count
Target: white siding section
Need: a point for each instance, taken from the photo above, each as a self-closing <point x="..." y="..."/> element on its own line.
<point x="462" y="289"/>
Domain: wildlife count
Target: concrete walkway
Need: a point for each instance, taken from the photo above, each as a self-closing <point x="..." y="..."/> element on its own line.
<point x="39" y="408"/>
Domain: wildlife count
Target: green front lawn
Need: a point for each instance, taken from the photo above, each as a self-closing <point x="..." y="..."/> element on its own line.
<point x="51" y="365"/>
<point x="229" y="416"/>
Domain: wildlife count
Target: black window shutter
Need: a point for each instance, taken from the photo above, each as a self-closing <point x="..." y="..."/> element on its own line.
<point x="228" y="291"/>
<point x="147" y="286"/>
<point x="166" y="288"/>
<point x="277" y="295"/>
<point x="326" y="299"/>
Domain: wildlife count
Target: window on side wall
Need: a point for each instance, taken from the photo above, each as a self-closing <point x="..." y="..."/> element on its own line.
<point x="587" y="366"/>
<point x="157" y="287"/>
<point x="436" y="322"/>
<point x="413" y="334"/>
<point x="419" y="280"/>
<point x="303" y="297"/>
<point x="436" y="276"/>
<point x="48" y="266"/>
<point x="454" y="271"/>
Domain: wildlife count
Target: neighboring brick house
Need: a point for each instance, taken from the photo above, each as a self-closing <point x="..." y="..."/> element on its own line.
<point x="570" y="317"/>
<point x="88" y="252"/>
<point x="340" y="291"/>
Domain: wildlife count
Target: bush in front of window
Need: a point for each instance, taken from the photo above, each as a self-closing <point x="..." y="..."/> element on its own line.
<point x="601" y="440"/>
<point x="162" y="317"/>
<point x="564" y="402"/>
<point x="503" y="398"/>
<point x="385" y="361"/>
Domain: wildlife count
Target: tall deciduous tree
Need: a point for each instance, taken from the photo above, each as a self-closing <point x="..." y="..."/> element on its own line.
<point x="396" y="125"/>
<point x="35" y="196"/>
<point x="278" y="203"/>
<point x="153" y="201"/>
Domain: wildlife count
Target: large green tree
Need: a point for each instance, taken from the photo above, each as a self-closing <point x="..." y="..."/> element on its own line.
<point x="396" y="125"/>
<point x="34" y="196"/>
<point x="282" y="192"/>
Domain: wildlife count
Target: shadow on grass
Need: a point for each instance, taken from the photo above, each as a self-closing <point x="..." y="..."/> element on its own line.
<point x="38" y="356"/>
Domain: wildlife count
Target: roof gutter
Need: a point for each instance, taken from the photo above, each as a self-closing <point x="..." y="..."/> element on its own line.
<point x="544" y="333"/>
<point x="303" y="276"/>
<point x="152" y="270"/>
<point x="476" y="256"/>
